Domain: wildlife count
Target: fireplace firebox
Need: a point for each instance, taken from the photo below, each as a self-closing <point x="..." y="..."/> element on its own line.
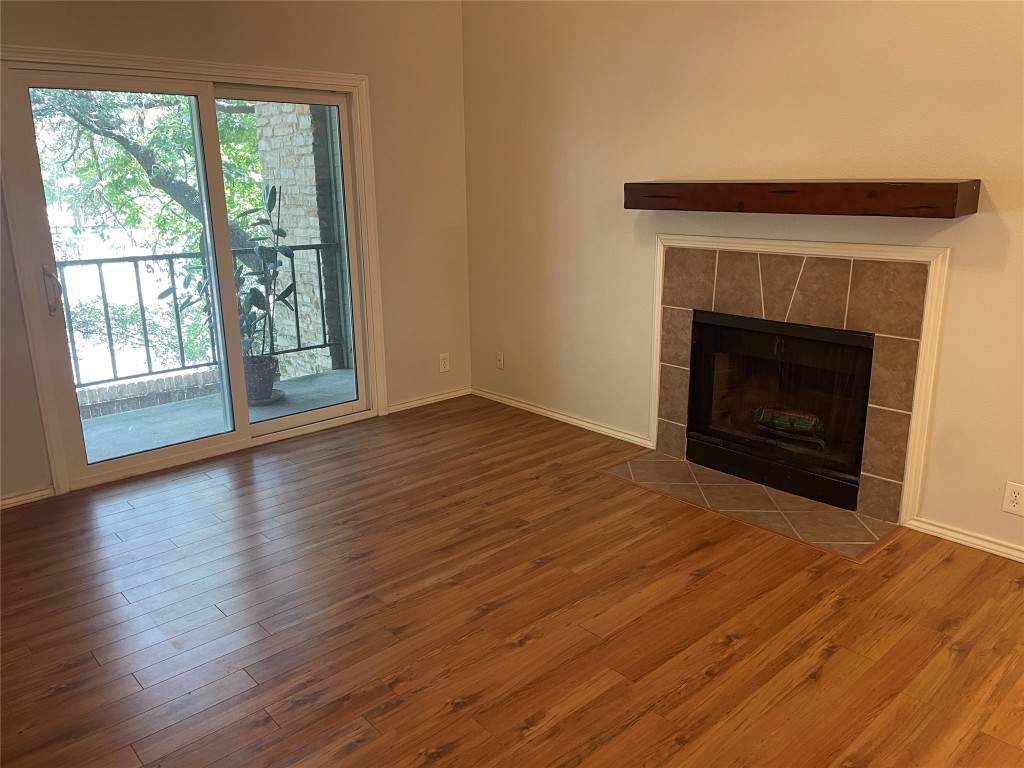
<point x="780" y="404"/>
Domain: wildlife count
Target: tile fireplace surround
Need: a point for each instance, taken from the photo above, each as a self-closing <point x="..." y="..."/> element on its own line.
<point x="894" y="292"/>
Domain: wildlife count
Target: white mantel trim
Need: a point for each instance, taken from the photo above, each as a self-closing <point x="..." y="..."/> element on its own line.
<point x="937" y="260"/>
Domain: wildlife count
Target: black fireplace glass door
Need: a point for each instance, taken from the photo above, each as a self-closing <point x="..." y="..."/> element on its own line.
<point x="792" y="394"/>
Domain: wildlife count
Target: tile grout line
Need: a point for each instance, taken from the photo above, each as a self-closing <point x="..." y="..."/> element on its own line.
<point x="879" y="477"/>
<point x="703" y="495"/>
<point x="796" y="285"/>
<point x="849" y="287"/>
<point x="714" y="283"/>
<point x="887" y="408"/>
<point x="760" y="284"/>
<point x="872" y="533"/>
<point x="772" y="498"/>
<point x="893" y="336"/>
<point x="792" y="527"/>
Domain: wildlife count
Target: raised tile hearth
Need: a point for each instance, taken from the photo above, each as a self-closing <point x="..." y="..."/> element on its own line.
<point x="839" y="531"/>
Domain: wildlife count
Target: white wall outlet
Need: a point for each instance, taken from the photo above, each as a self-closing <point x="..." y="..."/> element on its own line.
<point x="499" y="361"/>
<point x="446" y="363"/>
<point x="1013" y="499"/>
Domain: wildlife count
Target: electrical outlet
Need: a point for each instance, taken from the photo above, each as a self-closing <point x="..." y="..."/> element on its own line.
<point x="446" y="363"/>
<point x="1013" y="499"/>
<point x="499" y="361"/>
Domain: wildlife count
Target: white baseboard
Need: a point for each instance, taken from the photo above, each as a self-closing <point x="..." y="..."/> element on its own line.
<point x="416" y="402"/>
<point x="576" y="421"/>
<point x="24" y="498"/>
<point x="960" y="536"/>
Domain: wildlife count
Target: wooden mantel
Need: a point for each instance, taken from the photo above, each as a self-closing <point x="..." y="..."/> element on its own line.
<point x="915" y="198"/>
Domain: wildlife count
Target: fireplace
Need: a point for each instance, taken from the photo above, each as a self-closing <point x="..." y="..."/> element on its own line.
<point x="891" y="292"/>
<point x="779" y="403"/>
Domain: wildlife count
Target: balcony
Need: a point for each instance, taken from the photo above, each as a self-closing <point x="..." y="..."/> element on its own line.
<point x="145" y="355"/>
<point x="190" y="418"/>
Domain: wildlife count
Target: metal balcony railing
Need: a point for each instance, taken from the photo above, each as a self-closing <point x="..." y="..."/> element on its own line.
<point x="176" y="271"/>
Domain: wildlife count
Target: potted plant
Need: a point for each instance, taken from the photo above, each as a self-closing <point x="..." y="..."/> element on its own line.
<point x="258" y="297"/>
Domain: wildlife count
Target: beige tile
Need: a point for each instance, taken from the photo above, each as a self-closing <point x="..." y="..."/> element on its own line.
<point x="689" y="278"/>
<point x="655" y="456"/>
<point x="853" y="551"/>
<point x="738" y="284"/>
<point x="879" y="499"/>
<point x="661" y="472"/>
<point x="893" y="371"/>
<point x="773" y="521"/>
<point x="885" y="443"/>
<point x="737" y="497"/>
<point x="708" y="475"/>
<point x="820" y="297"/>
<point x="686" y="492"/>
<point x="671" y="439"/>
<point x="621" y="470"/>
<point x="779" y="272"/>
<point x="789" y="502"/>
<point x="880" y="528"/>
<point x="676" y="330"/>
<point x="887" y="297"/>
<point x="673" y="394"/>
<point x="829" y="527"/>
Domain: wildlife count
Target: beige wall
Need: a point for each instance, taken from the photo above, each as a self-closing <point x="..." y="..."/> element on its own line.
<point x="565" y="102"/>
<point x="412" y="53"/>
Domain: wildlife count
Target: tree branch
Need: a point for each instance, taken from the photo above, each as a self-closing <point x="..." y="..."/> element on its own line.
<point x="183" y="193"/>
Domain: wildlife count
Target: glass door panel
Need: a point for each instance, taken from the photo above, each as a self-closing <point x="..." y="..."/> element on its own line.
<point x="128" y="212"/>
<point x="283" y="172"/>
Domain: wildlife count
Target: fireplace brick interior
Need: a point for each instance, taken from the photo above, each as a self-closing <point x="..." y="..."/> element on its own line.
<point x="881" y="297"/>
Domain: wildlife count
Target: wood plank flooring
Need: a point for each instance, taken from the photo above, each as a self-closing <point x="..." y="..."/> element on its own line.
<point x="459" y="585"/>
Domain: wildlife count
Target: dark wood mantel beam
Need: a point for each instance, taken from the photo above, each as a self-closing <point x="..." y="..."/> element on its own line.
<point x="923" y="198"/>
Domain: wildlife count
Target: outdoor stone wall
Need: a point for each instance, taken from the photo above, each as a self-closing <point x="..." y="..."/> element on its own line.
<point x="134" y="395"/>
<point x="285" y="134"/>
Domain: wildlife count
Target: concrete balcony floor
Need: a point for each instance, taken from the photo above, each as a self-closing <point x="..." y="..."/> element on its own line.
<point x="145" y="429"/>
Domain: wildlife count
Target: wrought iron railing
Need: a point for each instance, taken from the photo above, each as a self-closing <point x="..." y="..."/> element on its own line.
<point x="179" y="271"/>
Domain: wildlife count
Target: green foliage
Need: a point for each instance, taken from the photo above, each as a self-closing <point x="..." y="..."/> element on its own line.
<point x="256" y="290"/>
<point x="124" y="166"/>
<point x="126" y="162"/>
<point x="126" y="331"/>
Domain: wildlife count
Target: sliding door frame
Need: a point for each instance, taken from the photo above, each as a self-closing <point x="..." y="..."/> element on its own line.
<point x="18" y="61"/>
<point x="352" y="245"/>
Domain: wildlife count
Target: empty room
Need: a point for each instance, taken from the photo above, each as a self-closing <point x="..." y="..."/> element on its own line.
<point x="512" y="384"/>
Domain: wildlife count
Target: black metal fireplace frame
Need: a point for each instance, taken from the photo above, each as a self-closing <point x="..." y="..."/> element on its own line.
<point x="707" y="447"/>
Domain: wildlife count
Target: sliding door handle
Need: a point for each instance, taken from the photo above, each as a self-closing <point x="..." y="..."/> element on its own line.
<point x="53" y="305"/>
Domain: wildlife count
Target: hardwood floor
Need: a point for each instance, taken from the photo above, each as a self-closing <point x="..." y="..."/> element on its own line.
<point x="458" y="585"/>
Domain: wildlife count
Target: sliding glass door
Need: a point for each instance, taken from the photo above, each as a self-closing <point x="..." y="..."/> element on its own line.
<point x="190" y="254"/>
<point x="283" y="164"/>
<point x="134" y="275"/>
